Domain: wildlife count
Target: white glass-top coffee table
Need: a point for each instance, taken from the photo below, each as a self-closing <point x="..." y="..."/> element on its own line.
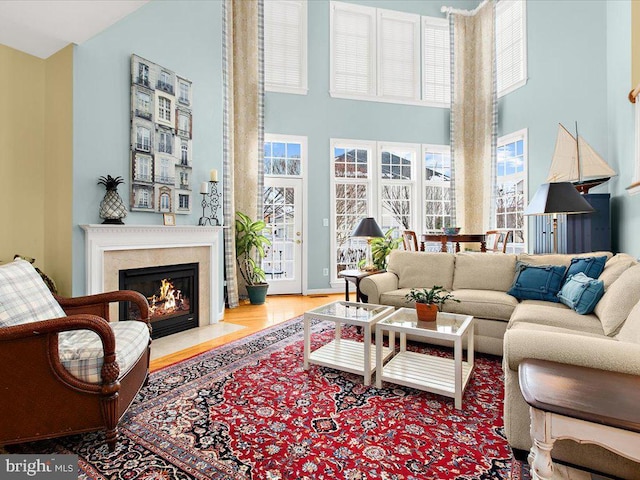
<point x="444" y="376"/>
<point x="343" y="354"/>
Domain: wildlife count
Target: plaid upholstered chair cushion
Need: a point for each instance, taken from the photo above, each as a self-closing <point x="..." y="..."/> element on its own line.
<point x="24" y="297"/>
<point x="81" y="350"/>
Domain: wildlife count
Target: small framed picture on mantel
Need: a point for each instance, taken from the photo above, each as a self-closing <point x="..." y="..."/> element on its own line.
<point x="169" y="219"/>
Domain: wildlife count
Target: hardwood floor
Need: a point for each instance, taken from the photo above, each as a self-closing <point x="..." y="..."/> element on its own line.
<point x="277" y="309"/>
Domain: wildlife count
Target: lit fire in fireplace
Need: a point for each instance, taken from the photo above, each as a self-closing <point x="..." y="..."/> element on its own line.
<point x="168" y="301"/>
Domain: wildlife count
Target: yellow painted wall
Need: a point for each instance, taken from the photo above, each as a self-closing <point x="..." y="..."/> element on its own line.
<point x="21" y="155"/>
<point x="36" y="160"/>
<point x="635" y="43"/>
<point x="58" y="167"/>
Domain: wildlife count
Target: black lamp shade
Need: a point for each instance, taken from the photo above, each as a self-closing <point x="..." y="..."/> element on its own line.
<point x="560" y="197"/>
<point x="368" y="228"/>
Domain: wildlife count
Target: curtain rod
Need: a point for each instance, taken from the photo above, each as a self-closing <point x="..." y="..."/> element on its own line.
<point x="458" y="11"/>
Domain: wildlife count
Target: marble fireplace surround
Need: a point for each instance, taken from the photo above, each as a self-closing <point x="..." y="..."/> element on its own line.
<point x="111" y="248"/>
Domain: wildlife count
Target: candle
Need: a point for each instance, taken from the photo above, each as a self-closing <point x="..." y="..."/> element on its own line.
<point x="214" y="175"/>
<point x="204" y="188"/>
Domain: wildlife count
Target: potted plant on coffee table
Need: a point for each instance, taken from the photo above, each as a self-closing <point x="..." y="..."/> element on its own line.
<point x="250" y="250"/>
<point x="429" y="301"/>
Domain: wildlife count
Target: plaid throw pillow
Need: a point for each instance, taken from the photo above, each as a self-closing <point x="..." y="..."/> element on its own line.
<point x="24" y="297"/>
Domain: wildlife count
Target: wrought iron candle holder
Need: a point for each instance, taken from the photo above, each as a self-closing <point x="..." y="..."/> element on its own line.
<point x="211" y="201"/>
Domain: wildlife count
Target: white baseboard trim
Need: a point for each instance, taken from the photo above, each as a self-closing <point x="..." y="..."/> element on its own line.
<point x="323" y="291"/>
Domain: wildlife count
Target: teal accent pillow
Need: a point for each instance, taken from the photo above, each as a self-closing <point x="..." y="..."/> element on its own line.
<point x="592" y="267"/>
<point x="537" y="282"/>
<point x="581" y="293"/>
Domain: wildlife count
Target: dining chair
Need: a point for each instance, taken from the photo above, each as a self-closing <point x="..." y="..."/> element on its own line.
<point x="410" y="240"/>
<point x="497" y="240"/>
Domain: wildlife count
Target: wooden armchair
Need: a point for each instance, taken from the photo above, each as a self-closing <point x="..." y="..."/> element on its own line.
<point x="45" y="390"/>
<point x="410" y="240"/>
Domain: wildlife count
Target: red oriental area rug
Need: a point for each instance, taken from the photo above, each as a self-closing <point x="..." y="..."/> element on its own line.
<point x="248" y="410"/>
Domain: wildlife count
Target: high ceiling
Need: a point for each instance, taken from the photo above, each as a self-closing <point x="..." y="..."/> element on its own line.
<point x="42" y="27"/>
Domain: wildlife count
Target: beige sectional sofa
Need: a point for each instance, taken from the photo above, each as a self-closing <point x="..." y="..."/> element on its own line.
<point x="609" y="338"/>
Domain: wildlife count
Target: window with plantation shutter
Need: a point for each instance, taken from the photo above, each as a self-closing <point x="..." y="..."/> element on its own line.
<point x="398" y="55"/>
<point x="353" y="49"/>
<point x="285" y="46"/>
<point x="510" y="45"/>
<point x="436" y="69"/>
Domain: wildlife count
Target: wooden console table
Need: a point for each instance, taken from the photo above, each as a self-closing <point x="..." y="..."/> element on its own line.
<point x="457" y="239"/>
<point x="583" y="404"/>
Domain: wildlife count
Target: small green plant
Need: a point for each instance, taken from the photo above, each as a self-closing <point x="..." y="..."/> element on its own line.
<point x="436" y="295"/>
<point x="250" y="245"/>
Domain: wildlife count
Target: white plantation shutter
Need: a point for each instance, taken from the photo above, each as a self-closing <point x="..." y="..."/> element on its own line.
<point x="436" y="69"/>
<point x="352" y="49"/>
<point x="398" y="55"/>
<point x="510" y="45"/>
<point x="285" y="45"/>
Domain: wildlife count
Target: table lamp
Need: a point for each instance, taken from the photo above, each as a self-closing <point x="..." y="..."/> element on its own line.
<point x="368" y="228"/>
<point x="555" y="198"/>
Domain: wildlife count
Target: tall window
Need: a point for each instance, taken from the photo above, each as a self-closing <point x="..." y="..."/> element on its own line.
<point x="165" y="202"/>
<point x="143" y="168"/>
<point x="164" y="142"/>
<point x="164" y="171"/>
<point x="184" y="92"/>
<point x="143" y="74"/>
<point x="183" y="125"/>
<point x="397" y="177"/>
<point x="143" y="104"/>
<point x="143" y="138"/>
<point x="183" y="201"/>
<point x="164" y="108"/>
<point x="184" y="179"/>
<point x="184" y="153"/>
<point x="143" y="198"/>
<point x="511" y="177"/>
<point x="285" y="46"/>
<point x="436" y="68"/>
<point x="511" y="45"/>
<point x="436" y="173"/>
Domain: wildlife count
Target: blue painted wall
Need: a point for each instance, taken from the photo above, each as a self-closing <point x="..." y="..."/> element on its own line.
<point x="320" y="117"/>
<point x="625" y="208"/>
<point x="184" y="36"/>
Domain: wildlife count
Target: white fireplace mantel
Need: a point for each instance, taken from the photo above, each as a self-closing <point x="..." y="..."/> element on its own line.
<point x="102" y="238"/>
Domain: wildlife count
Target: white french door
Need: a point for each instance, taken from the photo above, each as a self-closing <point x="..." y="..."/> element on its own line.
<point x="283" y="213"/>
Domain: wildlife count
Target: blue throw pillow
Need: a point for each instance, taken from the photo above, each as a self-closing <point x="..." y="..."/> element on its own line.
<point x="592" y="267"/>
<point x="581" y="293"/>
<point x="537" y="282"/>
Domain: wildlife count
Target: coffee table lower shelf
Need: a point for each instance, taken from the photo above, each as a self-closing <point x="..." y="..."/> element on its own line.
<point x="346" y="355"/>
<point x="425" y="372"/>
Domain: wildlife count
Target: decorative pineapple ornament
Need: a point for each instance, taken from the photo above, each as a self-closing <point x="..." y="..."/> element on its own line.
<point x="112" y="208"/>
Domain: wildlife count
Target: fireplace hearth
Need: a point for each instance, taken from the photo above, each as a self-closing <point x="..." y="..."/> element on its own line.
<point x="172" y="293"/>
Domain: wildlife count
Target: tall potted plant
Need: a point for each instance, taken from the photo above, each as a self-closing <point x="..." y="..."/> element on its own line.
<point x="250" y="245"/>
<point x="381" y="247"/>
<point x="429" y="302"/>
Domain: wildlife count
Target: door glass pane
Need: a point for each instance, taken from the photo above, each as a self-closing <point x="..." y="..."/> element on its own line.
<point x="279" y="215"/>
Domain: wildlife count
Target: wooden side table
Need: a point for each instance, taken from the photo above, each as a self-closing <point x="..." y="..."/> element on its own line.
<point x="354" y="276"/>
<point x="583" y="404"/>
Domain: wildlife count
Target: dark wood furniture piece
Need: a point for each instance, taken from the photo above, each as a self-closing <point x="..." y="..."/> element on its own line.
<point x="410" y="240"/>
<point x="354" y="276"/>
<point x="40" y="399"/>
<point x="579" y="403"/>
<point x="579" y="233"/>
<point x="499" y="237"/>
<point x="457" y="239"/>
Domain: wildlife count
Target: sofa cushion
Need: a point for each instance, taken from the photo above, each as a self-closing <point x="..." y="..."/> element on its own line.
<point x="24" y="296"/>
<point x="581" y="293"/>
<point x="482" y="303"/>
<point x="618" y="301"/>
<point x="614" y="267"/>
<point x="484" y="272"/>
<point x="630" y="331"/>
<point x="396" y="298"/>
<point x="421" y="269"/>
<point x="591" y="266"/>
<point x="537" y="282"/>
<point x="562" y="317"/>
<point x="82" y="355"/>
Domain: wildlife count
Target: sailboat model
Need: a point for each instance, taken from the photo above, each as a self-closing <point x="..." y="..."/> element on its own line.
<point x="577" y="162"/>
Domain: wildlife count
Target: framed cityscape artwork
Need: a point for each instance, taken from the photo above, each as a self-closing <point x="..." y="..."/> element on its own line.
<point x="161" y="139"/>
